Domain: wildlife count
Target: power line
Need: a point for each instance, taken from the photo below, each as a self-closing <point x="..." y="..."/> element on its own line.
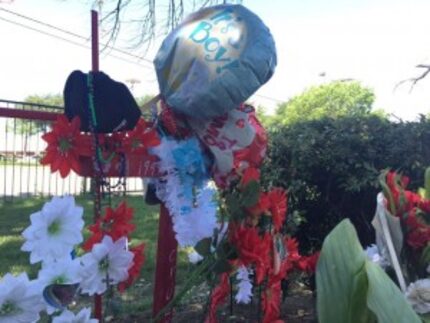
<point x="73" y="34"/>
<point x="270" y="98"/>
<point x="87" y="47"/>
<point x="69" y="41"/>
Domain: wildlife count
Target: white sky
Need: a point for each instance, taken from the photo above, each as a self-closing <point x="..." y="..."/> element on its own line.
<point x="377" y="42"/>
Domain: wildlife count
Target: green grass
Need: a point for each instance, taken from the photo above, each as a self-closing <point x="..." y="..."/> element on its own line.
<point x="15" y="217"/>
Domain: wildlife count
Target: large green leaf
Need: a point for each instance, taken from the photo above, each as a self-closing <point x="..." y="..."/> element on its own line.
<point x="341" y="278"/>
<point x="385" y="299"/>
<point x="351" y="289"/>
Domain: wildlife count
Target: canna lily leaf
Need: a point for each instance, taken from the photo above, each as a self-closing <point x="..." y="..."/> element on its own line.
<point x="351" y="289"/>
<point x="385" y="299"/>
<point x="341" y="278"/>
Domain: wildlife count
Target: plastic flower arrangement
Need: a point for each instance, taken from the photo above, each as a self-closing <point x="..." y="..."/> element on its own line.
<point x="52" y="238"/>
<point x="54" y="231"/>
<point x="20" y="300"/>
<point x="70" y="149"/>
<point x="412" y="209"/>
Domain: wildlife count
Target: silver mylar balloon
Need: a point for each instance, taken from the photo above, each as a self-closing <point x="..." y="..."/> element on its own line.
<point x="215" y="60"/>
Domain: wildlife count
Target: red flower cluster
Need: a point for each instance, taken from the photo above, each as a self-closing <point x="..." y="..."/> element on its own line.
<point x="116" y="224"/>
<point x="261" y="245"/>
<point x="253" y="249"/>
<point x="411" y="208"/>
<point x="66" y="144"/>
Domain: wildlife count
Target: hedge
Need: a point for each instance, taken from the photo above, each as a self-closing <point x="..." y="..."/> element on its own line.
<point x="331" y="169"/>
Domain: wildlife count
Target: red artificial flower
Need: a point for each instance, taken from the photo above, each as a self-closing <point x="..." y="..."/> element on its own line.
<point x="403" y="200"/>
<point x="252" y="248"/>
<point x="271" y="301"/>
<point x="309" y="263"/>
<point x="424" y="206"/>
<point x="218" y="296"/>
<point x="65" y="145"/>
<point x="278" y="207"/>
<point x="134" y="271"/>
<point x="143" y="136"/>
<point x="249" y="174"/>
<point x="261" y="207"/>
<point x="418" y="233"/>
<point x="115" y="223"/>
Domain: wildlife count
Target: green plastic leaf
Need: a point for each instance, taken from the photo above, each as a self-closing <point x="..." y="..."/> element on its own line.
<point x="250" y="194"/>
<point x="203" y="247"/>
<point x="341" y="278"/>
<point x="385" y="299"/>
<point x="233" y="206"/>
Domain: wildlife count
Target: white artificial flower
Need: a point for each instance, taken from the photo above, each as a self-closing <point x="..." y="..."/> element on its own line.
<point x="84" y="316"/>
<point x="107" y="260"/>
<point x="244" y="291"/>
<point x="194" y="257"/>
<point x="418" y="295"/>
<point x="54" y="231"/>
<point x="372" y="253"/>
<point x="63" y="271"/>
<point x="20" y="300"/>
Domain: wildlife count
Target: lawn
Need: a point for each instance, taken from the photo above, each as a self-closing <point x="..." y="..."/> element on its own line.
<point x="15" y="217"/>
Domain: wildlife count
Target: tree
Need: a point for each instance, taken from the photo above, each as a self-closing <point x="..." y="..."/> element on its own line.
<point x="143" y="21"/>
<point x="333" y="100"/>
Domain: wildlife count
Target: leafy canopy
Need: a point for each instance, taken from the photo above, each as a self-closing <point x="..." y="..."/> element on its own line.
<point x="333" y="100"/>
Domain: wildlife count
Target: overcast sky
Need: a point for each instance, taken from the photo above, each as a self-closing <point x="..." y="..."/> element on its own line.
<point x="377" y="42"/>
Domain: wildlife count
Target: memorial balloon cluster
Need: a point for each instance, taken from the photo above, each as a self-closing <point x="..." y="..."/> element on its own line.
<point x="206" y="146"/>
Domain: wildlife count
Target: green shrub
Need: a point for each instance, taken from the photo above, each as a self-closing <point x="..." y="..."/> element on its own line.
<point x="330" y="168"/>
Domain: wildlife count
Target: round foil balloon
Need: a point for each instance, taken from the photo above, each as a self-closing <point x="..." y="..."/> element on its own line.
<point x="215" y="60"/>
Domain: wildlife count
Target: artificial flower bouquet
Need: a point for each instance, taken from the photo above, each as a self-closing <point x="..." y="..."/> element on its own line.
<point x="53" y="240"/>
<point x="411" y="236"/>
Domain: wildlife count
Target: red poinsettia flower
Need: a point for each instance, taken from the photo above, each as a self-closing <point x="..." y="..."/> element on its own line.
<point x="309" y="263"/>
<point x="249" y="174"/>
<point x="252" y="248"/>
<point x="134" y="271"/>
<point x="278" y="207"/>
<point x="218" y="296"/>
<point x="271" y="300"/>
<point x="65" y="145"/>
<point x="143" y="136"/>
<point x="115" y="223"/>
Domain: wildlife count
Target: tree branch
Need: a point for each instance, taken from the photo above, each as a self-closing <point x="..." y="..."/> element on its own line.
<point x="415" y="80"/>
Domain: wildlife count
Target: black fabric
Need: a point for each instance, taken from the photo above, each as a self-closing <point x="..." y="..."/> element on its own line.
<point x="114" y="104"/>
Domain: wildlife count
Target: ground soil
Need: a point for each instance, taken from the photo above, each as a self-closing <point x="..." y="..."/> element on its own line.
<point x="298" y="307"/>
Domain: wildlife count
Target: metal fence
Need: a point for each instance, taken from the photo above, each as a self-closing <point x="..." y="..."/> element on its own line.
<point x="21" y="148"/>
